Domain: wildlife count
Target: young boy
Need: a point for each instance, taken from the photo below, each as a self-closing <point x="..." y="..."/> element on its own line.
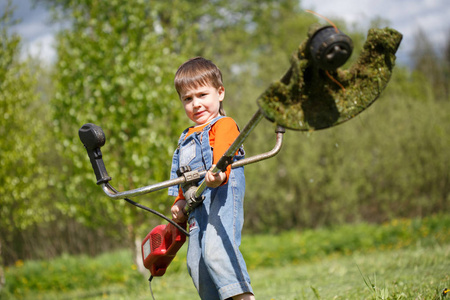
<point x="214" y="261"/>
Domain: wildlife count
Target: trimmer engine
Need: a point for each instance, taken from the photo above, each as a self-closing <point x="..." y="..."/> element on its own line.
<point x="160" y="247"/>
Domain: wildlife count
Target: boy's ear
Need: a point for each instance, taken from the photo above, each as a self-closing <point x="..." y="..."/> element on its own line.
<point x="221" y="91"/>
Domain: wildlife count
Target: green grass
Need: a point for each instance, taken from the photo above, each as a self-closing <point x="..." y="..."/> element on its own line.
<point x="403" y="259"/>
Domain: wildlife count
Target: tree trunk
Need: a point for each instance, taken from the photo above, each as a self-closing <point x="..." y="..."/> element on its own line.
<point x="135" y="245"/>
<point x="138" y="257"/>
<point x="2" y="275"/>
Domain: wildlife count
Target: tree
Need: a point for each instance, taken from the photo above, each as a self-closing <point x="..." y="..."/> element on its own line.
<point x="428" y="63"/>
<point x="25" y="184"/>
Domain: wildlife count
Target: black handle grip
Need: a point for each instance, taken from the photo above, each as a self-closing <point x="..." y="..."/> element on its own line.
<point x="93" y="137"/>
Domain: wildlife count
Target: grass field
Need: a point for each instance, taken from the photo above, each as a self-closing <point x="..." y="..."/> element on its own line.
<point x="404" y="259"/>
<point x="418" y="273"/>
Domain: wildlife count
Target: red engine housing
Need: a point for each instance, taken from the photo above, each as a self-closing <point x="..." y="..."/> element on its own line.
<point x="160" y="247"/>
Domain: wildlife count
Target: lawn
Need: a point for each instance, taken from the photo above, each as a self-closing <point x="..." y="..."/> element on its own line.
<point x="402" y="259"/>
<point x="414" y="273"/>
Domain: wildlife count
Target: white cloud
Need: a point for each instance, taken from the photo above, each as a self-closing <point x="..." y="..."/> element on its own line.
<point x="42" y="47"/>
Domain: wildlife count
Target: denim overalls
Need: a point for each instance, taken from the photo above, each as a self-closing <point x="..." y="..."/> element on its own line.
<point x="214" y="261"/>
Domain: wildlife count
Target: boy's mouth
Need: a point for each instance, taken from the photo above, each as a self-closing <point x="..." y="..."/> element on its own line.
<point x="200" y="113"/>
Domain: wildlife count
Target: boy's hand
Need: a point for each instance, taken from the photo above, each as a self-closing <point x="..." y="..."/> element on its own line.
<point x="214" y="180"/>
<point x="178" y="212"/>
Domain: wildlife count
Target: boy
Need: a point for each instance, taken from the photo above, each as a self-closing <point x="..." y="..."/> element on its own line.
<point x="214" y="261"/>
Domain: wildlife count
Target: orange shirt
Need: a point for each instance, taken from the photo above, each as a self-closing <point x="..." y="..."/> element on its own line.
<point x="222" y="134"/>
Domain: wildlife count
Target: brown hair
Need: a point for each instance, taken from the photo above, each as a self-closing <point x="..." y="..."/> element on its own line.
<point x="197" y="72"/>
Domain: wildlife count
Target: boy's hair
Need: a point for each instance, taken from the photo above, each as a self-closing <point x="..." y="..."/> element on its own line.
<point x="197" y="72"/>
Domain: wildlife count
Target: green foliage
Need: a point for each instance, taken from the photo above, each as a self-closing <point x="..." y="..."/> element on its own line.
<point x="435" y="69"/>
<point x="285" y="255"/>
<point x="115" y="70"/>
<point x="70" y="273"/>
<point x="23" y="136"/>
<point x="310" y="245"/>
<point x="26" y="155"/>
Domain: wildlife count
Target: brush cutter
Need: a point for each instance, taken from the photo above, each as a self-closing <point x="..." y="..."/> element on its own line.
<point x="313" y="94"/>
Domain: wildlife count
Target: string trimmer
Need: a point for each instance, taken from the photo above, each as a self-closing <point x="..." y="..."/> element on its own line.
<point x="313" y="94"/>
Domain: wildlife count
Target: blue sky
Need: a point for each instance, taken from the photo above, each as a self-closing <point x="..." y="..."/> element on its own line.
<point x="406" y="16"/>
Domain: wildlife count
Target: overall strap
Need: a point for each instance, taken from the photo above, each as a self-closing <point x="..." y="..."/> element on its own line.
<point x="208" y="127"/>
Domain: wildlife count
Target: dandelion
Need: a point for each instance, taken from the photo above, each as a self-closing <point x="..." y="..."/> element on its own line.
<point x="19" y="263"/>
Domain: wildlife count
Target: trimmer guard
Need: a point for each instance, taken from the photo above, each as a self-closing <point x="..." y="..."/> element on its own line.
<point x="307" y="98"/>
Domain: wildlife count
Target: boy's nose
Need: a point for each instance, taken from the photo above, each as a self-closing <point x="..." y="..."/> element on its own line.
<point x="195" y="102"/>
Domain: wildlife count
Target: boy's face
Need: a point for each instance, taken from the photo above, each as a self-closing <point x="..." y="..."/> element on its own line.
<point x="202" y="103"/>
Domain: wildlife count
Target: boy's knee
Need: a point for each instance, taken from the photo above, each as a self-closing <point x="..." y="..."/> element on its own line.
<point x="211" y="254"/>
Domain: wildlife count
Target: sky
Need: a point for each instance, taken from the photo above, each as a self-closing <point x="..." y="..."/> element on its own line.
<point x="406" y="16"/>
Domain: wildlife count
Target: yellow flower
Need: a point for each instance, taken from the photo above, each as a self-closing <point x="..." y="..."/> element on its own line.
<point x="19" y="263"/>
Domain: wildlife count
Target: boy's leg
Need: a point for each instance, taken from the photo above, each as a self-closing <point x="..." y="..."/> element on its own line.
<point x="223" y="259"/>
<point x="246" y="296"/>
<point x="195" y="262"/>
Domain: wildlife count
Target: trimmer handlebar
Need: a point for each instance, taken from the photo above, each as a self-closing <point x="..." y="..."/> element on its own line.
<point x="93" y="137"/>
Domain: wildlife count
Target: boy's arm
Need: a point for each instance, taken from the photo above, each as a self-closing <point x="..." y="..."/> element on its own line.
<point x="215" y="180"/>
<point x="178" y="212"/>
<point x="225" y="132"/>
